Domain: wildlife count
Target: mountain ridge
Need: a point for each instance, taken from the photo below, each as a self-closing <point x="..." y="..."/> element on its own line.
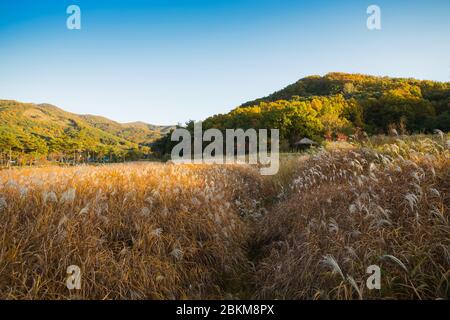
<point x="330" y="106"/>
<point x="43" y="129"/>
<point x="346" y="83"/>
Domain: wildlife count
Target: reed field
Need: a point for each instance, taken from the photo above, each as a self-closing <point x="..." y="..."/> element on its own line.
<point x="165" y="231"/>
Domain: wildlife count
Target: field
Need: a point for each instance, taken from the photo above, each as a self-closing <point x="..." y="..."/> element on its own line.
<point x="162" y="231"/>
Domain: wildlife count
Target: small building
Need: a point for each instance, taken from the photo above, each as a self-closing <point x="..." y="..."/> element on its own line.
<point x="305" y="143"/>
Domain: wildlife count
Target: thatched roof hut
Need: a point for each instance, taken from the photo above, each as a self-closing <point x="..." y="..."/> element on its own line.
<point x="305" y="142"/>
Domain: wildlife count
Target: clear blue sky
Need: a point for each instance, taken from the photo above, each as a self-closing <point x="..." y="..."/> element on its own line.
<point x="168" y="61"/>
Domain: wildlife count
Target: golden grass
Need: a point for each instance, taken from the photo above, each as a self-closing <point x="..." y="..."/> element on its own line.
<point x="349" y="209"/>
<point x="136" y="231"/>
<point x="155" y="231"/>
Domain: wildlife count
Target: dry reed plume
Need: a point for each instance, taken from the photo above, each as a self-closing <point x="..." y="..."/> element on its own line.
<point x="154" y="231"/>
<point x="136" y="231"/>
<point x="348" y="209"/>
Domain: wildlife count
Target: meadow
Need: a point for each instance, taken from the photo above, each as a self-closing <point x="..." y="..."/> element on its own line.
<point x="164" y="231"/>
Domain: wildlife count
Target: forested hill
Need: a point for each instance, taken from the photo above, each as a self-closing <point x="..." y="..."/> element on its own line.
<point x="334" y="106"/>
<point x="357" y="86"/>
<point x="338" y="105"/>
<point x="31" y="131"/>
<point x="138" y="132"/>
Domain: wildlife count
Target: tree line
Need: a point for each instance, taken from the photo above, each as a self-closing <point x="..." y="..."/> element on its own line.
<point x="337" y="106"/>
<point x="334" y="106"/>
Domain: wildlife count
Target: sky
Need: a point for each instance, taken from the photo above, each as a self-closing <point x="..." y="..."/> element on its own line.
<point x="170" y="61"/>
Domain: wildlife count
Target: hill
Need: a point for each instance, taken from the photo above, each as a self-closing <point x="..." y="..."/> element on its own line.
<point x="354" y="86"/>
<point x="338" y="105"/>
<point x="43" y="130"/>
<point x="138" y="132"/>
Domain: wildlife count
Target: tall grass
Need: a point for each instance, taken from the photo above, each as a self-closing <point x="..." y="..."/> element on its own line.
<point x="155" y="231"/>
<point x="352" y="208"/>
<point x="136" y="231"/>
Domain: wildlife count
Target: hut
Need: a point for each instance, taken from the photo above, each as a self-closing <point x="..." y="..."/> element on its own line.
<point x="305" y="143"/>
